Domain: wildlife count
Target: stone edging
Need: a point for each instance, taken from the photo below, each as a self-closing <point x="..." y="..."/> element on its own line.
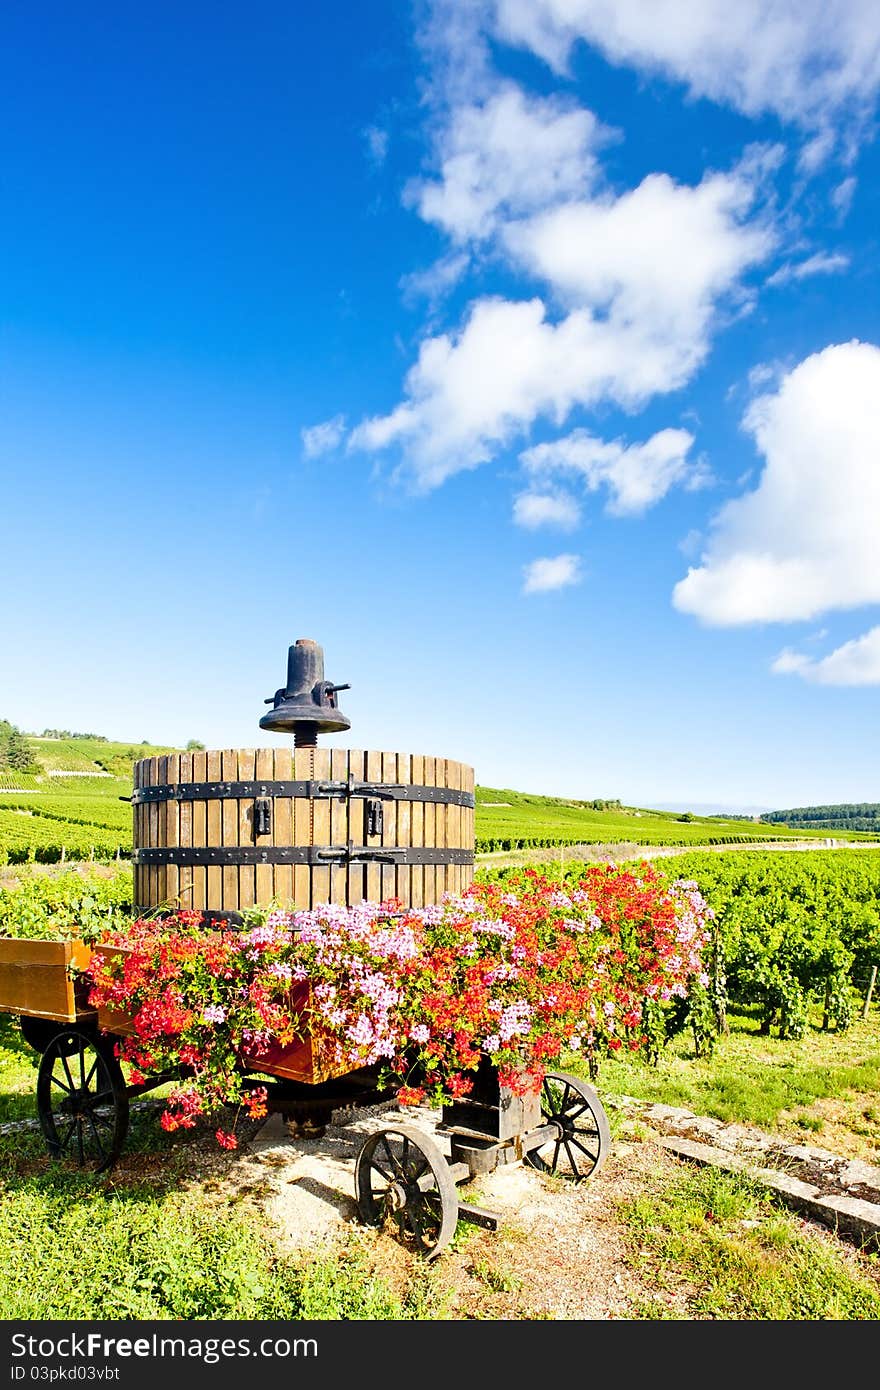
<point x="842" y="1193"/>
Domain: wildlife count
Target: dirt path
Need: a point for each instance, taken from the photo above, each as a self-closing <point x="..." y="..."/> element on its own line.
<point x="563" y="1251"/>
<point x="617" y="853"/>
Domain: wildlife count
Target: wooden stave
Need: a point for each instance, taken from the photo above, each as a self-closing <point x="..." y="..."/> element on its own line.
<point x="217" y="823"/>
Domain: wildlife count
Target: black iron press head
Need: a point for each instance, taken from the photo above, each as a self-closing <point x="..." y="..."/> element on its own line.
<point x="306" y="706"/>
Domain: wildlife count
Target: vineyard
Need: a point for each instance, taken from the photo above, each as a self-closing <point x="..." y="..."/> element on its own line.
<point x="75" y="807"/>
<point x="511" y="820"/>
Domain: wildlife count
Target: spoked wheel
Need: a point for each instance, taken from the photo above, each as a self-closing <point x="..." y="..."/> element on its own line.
<point x="82" y="1100"/>
<point x="401" y="1173"/>
<point x="583" y="1137"/>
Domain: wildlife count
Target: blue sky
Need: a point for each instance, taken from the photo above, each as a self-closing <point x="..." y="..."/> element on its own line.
<point x="522" y="353"/>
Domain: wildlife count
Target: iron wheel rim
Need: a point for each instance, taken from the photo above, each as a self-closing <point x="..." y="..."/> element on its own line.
<point x="402" y="1177"/>
<point x="82" y="1102"/>
<point x="583" y="1135"/>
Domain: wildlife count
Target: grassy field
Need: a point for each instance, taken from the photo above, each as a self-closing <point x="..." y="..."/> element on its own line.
<point x="170" y="1234"/>
<point x="75" y="808"/>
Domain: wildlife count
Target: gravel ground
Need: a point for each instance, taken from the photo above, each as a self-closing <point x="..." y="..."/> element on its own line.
<point x="560" y="1252"/>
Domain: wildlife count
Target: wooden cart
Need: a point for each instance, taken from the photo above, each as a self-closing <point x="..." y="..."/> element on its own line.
<point x="83" y="1103"/>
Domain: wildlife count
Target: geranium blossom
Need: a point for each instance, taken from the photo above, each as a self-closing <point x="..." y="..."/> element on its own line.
<point x="520" y="972"/>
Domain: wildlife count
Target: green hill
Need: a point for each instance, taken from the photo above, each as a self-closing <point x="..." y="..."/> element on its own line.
<point x="74" y="806"/>
<point x="69" y="807"/>
<point x="508" y="819"/>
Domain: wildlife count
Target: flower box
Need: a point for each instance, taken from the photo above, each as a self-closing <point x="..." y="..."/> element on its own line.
<point x="295" y="1061"/>
<point x="36" y="979"/>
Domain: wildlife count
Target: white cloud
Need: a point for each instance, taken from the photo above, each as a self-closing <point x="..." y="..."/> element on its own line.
<point x="642" y="308"/>
<point x="762" y="373"/>
<point x="508" y="155"/>
<point x="822" y="263"/>
<point x="534" y="509"/>
<point x="842" y="196"/>
<point x="854" y="663"/>
<point x="558" y="572"/>
<point x="812" y="62"/>
<point x="665" y="284"/>
<point x="321" y="439"/>
<point x="437" y="280"/>
<point x="636" y="475"/>
<point x="377" y="144"/>
<point x="804" y="542"/>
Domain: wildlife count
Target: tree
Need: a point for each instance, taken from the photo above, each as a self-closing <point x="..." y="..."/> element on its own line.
<point x="15" y="751"/>
<point x="194" y="746"/>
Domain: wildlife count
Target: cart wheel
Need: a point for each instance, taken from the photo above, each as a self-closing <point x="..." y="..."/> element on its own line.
<point x="82" y="1100"/>
<point x="402" y="1173"/>
<point x="581" y="1145"/>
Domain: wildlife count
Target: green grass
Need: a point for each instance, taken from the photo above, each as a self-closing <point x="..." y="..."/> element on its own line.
<point x="825" y="1084"/>
<point x="714" y="1245"/>
<point x="73" y="1248"/>
<point x="18" y="1075"/>
<point x="151" y="1241"/>
<point x="163" y="1237"/>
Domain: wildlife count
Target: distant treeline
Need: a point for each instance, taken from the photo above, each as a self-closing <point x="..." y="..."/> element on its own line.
<point x="855" y="815"/>
<point x="66" y="733"/>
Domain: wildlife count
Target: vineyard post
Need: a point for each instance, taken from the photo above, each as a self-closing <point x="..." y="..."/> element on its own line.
<point x="63" y="854"/>
<point x="871" y="983"/>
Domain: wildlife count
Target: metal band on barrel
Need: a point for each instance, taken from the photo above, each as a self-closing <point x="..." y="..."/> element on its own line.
<point x="324" y="856"/>
<point x="312" y="790"/>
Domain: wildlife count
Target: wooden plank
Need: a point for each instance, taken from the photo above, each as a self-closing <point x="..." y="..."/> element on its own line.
<point x="388" y="887"/>
<point x="339" y="824"/>
<point x="430" y="814"/>
<point x="171" y="834"/>
<point x="229" y="830"/>
<point x="34" y="977"/>
<point x="152" y="834"/>
<point x="184" y="828"/>
<point x="357" y="827"/>
<point x="199" y="834"/>
<point x="282" y="827"/>
<point x="404" y="830"/>
<point x="247" y="873"/>
<point x="159" y="839"/>
<point x="321" y="886"/>
<point x="444" y="884"/>
<point x="137" y="817"/>
<point x="453" y="824"/>
<point x="373" y="877"/>
<point x="214" y="822"/>
<point x="417" y="832"/>
<point x="264" y="886"/>
<point x="467" y="820"/>
<point x="303" y="830"/>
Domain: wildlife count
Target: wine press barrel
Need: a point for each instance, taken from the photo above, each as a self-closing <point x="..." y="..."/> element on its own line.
<point x="222" y="831"/>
